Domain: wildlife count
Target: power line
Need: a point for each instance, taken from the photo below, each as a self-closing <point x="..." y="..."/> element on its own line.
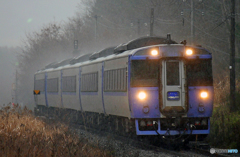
<point x="167" y="20"/>
<point x="118" y="25"/>
<point x="169" y="23"/>
<point x="209" y="33"/>
<point x="225" y="53"/>
<point x="220" y="24"/>
<point x="115" y="27"/>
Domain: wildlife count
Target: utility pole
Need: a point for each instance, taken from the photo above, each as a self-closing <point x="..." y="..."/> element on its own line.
<point x="16" y="96"/>
<point x="232" y="59"/>
<point x="192" y="16"/>
<point x="138" y="27"/>
<point x="192" y="22"/>
<point x="96" y="31"/>
<point x="151" y="21"/>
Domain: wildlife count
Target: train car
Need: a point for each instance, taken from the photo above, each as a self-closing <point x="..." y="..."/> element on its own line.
<point x="148" y="86"/>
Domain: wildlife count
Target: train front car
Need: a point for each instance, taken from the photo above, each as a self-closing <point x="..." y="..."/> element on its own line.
<point x="171" y="90"/>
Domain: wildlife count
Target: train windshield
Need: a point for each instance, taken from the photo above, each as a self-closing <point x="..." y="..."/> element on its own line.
<point x="144" y="73"/>
<point x="199" y="73"/>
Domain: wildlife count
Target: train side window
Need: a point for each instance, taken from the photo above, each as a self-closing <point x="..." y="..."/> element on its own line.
<point x="172" y="69"/>
<point x="144" y="73"/>
<point x="89" y="82"/>
<point x="69" y="84"/>
<point x="115" y="80"/>
<point x="52" y="85"/>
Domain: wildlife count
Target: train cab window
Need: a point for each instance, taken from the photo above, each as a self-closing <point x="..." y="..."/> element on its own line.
<point x="199" y="73"/>
<point x="172" y="69"/>
<point x="144" y="73"/>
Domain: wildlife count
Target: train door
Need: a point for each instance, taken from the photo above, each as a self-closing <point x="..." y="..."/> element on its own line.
<point x="173" y="80"/>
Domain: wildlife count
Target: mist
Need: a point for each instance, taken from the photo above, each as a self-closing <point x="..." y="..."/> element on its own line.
<point x="8" y="64"/>
<point x="103" y="23"/>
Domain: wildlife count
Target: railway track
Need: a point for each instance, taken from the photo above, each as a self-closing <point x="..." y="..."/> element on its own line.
<point x="192" y="149"/>
<point x="139" y="143"/>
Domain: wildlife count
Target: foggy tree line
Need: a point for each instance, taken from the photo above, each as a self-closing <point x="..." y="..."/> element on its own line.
<point x="107" y="23"/>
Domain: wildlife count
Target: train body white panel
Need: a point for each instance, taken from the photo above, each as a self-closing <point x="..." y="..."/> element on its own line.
<point x="71" y="102"/>
<point x="91" y="99"/>
<point x="40" y="78"/>
<point x="53" y="89"/>
<point x="116" y="96"/>
<point x="116" y="63"/>
<point x="117" y="105"/>
<point x="70" y="98"/>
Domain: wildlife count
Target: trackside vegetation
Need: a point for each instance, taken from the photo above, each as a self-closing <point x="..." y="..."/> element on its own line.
<point x="22" y="134"/>
<point x="225" y="125"/>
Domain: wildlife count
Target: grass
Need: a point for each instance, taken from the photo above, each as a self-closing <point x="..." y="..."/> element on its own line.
<point x="22" y="134"/>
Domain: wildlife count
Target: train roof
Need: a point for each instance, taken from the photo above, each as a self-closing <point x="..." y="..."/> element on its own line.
<point x="143" y="42"/>
<point x="103" y="53"/>
<point x="81" y="58"/>
<point x="122" y="50"/>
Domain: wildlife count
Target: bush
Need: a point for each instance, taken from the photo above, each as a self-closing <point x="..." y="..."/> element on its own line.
<point x="21" y="134"/>
<point x="225" y="128"/>
<point x="225" y="125"/>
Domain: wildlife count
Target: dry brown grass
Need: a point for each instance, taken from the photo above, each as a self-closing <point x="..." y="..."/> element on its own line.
<point x="21" y="134"/>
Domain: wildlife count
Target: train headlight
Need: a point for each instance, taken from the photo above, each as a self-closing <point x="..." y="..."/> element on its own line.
<point x="204" y="95"/>
<point x="142" y="95"/>
<point x="154" y="52"/>
<point x="189" y="52"/>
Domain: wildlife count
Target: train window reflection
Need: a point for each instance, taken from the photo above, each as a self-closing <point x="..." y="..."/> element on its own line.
<point x="199" y="73"/>
<point x="144" y="73"/>
<point x="172" y="69"/>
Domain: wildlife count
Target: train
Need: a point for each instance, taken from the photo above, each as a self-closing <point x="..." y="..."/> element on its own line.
<point x="150" y="86"/>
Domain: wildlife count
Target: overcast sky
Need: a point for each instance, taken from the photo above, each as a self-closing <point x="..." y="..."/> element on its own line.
<point x="18" y="17"/>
